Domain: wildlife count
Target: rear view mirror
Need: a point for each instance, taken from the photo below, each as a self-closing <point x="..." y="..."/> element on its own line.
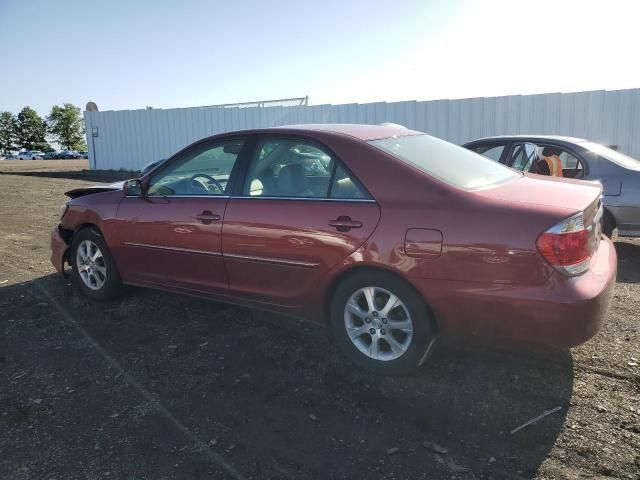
<point x="133" y="188"/>
<point x="232" y="148"/>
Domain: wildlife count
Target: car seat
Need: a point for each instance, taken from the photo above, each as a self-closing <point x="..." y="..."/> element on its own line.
<point x="292" y="182"/>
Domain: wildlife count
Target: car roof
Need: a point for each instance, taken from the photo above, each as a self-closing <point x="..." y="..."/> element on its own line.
<point x="362" y="132"/>
<point x="557" y="138"/>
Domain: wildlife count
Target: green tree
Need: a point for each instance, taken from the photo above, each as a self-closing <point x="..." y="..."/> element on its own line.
<point x="31" y="130"/>
<point x="67" y="127"/>
<point x="8" y="126"/>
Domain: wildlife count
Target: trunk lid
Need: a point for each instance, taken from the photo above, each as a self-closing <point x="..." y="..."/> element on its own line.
<point x="565" y="193"/>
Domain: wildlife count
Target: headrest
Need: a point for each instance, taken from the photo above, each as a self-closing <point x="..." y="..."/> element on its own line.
<point x="549" y="151"/>
<point x="292" y="180"/>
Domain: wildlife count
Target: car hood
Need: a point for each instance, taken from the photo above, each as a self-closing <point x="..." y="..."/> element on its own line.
<point x="565" y="193"/>
<point x="81" y="192"/>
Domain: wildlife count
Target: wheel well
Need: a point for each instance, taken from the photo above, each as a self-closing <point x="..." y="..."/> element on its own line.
<point x="69" y="234"/>
<point x="609" y="222"/>
<point x="88" y="225"/>
<point x="347" y="273"/>
<point x="607" y="214"/>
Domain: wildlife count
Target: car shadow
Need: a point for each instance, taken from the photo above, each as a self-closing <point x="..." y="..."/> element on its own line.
<point x="102" y="176"/>
<point x="472" y="397"/>
<point x="628" y="261"/>
<point x="152" y="383"/>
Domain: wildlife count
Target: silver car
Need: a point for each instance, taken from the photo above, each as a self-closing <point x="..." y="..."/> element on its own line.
<point x="570" y="157"/>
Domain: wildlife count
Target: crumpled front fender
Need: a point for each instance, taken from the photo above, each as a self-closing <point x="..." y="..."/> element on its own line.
<point x="59" y="250"/>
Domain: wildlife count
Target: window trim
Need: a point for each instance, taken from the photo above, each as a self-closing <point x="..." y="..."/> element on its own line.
<point x="259" y="139"/>
<point x="308" y="199"/>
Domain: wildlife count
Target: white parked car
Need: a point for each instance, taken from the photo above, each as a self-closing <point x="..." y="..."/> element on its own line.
<point x="30" y="155"/>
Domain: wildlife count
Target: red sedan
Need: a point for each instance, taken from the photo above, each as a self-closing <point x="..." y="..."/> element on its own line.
<point x="388" y="235"/>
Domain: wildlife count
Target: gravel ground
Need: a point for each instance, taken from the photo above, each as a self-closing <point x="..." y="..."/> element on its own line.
<point x="160" y="386"/>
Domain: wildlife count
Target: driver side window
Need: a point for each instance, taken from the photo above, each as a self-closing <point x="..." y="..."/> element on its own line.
<point x="202" y="171"/>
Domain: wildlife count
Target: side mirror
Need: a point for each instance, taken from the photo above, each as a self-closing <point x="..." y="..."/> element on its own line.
<point x="133" y="188"/>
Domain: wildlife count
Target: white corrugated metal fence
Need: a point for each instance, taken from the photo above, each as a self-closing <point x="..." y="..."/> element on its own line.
<point x="130" y="139"/>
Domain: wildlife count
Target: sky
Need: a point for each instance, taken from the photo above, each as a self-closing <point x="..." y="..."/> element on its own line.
<point x="167" y="53"/>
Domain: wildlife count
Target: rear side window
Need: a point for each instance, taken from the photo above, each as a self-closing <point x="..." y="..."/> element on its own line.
<point x="545" y="160"/>
<point x="346" y="186"/>
<point x="289" y="168"/>
<point x="285" y="167"/>
<point x="571" y="166"/>
<point x="447" y="162"/>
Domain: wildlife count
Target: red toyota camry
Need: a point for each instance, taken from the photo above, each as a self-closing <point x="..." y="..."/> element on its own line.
<point x="387" y="235"/>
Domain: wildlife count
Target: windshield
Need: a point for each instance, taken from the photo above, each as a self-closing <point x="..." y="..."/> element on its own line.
<point x="447" y="162"/>
<point x="616" y="157"/>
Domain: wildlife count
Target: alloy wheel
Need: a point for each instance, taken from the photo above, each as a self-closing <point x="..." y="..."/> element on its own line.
<point x="378" y="323"/>
<point x="91" y="265"/>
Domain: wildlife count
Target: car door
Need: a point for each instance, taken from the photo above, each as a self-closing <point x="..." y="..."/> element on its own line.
<point x="299" y="213"/>
<point x="171" y="235"/>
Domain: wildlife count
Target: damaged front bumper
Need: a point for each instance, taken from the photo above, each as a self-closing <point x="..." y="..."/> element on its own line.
<point x="59" y="249"/>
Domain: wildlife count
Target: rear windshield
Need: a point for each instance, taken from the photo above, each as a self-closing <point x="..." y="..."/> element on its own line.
<point x="616" y="157"/>
<point x="447" y="162"/>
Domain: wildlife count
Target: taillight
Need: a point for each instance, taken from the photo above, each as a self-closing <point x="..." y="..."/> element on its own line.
<point x="566" y="246"/>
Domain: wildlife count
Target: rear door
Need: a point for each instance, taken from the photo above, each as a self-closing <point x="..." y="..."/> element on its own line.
<point x="300" y="212"/>
<point x="172" y="235"/>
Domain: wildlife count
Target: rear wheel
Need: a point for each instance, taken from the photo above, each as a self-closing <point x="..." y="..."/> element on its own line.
<point x="381" y="323"/>
<point x="94" y="271"/>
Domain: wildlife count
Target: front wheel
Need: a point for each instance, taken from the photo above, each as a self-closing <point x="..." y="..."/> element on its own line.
<point x="381" y="323"/>
<point x="94" y="270"/>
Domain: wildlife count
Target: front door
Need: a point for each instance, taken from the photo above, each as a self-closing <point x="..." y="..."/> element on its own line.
<point x="300" y="214"/>
<point x="171" y="236"/>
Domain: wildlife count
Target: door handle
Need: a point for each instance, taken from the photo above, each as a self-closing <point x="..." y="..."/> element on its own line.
<point x="344" y="223"/>
<point x="207" y="217"/>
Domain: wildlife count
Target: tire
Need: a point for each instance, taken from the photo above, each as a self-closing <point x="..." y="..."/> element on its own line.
<point x="97" y="278"/>
<point x="410" y="348"/>
<point x="608" y="224"/>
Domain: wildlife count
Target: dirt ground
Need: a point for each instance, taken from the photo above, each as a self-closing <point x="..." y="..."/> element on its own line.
<point x="160" y="386"/>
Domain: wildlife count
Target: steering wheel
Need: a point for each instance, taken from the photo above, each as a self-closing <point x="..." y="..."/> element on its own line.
<point x="216" y="183"/>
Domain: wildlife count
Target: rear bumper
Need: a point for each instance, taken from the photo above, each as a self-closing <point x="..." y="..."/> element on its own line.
<point x="59" y="250"/>
<point x="564" y="312"/>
